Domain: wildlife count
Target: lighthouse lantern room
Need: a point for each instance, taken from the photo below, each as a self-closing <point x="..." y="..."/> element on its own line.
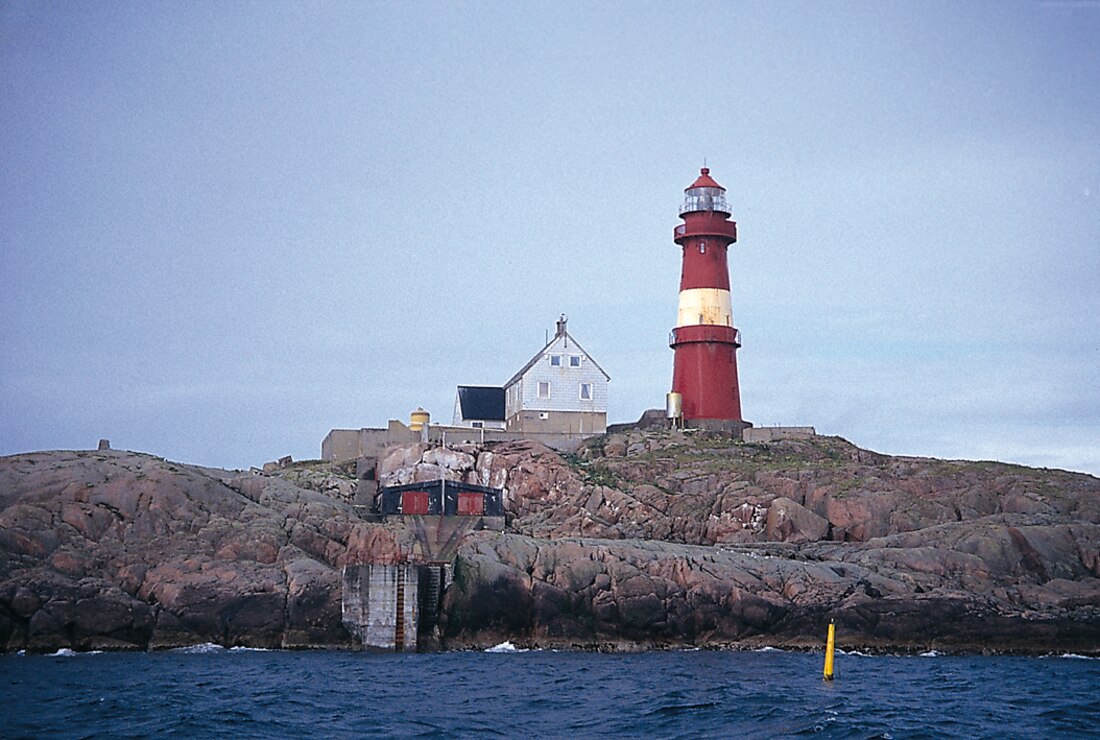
<point x="705" y="341"/>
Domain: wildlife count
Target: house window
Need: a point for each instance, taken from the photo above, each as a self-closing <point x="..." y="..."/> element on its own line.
<point x="574" y="361"/>
<point x="555" y="360"/>
<point x="477" y="424"/>
<point x="586" y="391"/>
<point x="544" y="389"/>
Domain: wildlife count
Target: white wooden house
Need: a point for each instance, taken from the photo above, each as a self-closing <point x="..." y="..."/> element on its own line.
<point x="562" y="390"/>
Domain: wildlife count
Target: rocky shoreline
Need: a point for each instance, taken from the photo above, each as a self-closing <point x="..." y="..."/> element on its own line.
<point x="615" y="648"/>
<point x="553" y="594"/>
<point x="656" y="540"/>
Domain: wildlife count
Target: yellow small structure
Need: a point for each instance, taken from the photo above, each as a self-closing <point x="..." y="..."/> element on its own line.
<point x="419" y="419"/>
<point x="830" y="646"/>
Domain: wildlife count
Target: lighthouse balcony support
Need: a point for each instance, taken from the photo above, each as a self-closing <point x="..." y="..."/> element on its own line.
<point x="706" y="224"/>
<point x="704" y="333"/>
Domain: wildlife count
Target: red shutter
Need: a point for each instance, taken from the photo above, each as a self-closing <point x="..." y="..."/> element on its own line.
<point x="414" y="502"/>
<point x="471" y="504"/>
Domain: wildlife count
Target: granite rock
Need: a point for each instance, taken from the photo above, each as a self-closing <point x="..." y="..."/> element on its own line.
<point x="112" y="549"/>
<point x="653" y="538"/>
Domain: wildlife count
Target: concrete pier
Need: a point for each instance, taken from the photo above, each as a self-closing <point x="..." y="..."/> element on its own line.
<point x="380" y="605"/>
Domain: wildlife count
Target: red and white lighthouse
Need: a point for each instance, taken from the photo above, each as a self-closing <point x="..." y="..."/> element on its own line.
<point x="704" y="340"/>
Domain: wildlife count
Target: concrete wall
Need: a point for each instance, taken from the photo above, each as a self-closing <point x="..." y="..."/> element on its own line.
<point x="341" y="445"/>
<point x="464" y="435"/>
<point x="369" y="604"/>
<point x="560" y="431"/>
<point x="770" y="434"/>
<point x="650" y="419"/>
<point x="719" y="425"/>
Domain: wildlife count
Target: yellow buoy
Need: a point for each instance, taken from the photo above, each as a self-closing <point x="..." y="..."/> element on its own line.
<point x="829" y="647"/>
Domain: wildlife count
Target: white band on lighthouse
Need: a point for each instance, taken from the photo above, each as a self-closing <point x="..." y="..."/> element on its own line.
<point x="704" y="306"/>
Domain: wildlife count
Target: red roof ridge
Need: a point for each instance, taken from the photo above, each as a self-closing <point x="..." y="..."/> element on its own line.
<point x="704" y="180"/>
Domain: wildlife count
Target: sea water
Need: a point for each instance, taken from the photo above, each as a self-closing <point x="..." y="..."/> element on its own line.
<point x="207" y="691"/>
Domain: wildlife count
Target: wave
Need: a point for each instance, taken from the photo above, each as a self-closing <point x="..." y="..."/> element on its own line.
<point x="769" y="649"/>
<point x="200" y="649"/>
<point x="931" y="654"/>
<point x="506" y="647"/>
<point x="211" y="647"/>
<point x="69" y="653"/>
<point x="1076" y="656"/>
<point x="656" y="693"/>
<point x="857" y="653"/>
<point x="682" y="708"/>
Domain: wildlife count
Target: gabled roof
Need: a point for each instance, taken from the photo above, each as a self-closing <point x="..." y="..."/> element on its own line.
<point x="542" y="352"/>
<point x="481" y="403"/>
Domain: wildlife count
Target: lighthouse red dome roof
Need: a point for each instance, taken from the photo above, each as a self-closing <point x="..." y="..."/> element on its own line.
<point x="704" y="180"/>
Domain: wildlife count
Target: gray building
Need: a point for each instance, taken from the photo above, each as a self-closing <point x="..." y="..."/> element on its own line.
<point x="561" y="390"/>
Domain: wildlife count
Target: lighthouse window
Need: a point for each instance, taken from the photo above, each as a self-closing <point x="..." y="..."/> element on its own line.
<point x="574" y="361"/>
<point x="544" y="389"/>
<point x="555" y="360"/>
<point x="586" y="391"/>
<point x="702" y="247"/>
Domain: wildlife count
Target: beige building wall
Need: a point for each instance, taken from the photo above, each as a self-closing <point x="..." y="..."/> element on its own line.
<point x="559" y="422"/>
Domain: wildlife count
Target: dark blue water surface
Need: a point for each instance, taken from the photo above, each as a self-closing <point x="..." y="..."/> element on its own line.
<point x="215" y="693"/>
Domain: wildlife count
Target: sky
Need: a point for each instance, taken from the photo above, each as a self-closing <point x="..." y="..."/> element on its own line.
<point x="227" y="228"/>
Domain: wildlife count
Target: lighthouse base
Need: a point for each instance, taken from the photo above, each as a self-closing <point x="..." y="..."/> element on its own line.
<point x="704" y="373"/>
<point x="734" y="426"/>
